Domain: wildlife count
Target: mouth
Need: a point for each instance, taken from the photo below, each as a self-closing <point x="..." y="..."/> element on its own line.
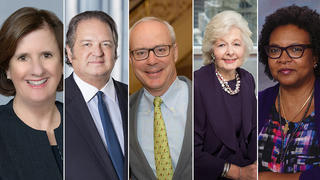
<point x="37" y="83"/>
<point x="153" y="73"/>
<point x="230" y="61"/>
<point x="285" y="71"/>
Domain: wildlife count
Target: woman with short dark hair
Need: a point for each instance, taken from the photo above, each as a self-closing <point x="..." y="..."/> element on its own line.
<point x="289" y="117"/>
<point x="31" y="70"/>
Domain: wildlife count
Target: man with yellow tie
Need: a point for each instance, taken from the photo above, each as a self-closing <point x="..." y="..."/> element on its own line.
<point x="160" y="112"/>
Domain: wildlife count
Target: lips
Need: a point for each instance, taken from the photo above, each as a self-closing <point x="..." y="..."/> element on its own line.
<point x="37" y="83"/>
<point x="229" y="61"/>
<point x="285" y="71"/>
<point x="154" y="73"/>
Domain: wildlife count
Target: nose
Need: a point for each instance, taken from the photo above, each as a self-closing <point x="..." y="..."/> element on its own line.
<point x="152" y="59"/>
<point x="284" y="58"/>
<point x="230" y="50"/>
<point x="97" y="51"/>
<point x="37" y="68"/>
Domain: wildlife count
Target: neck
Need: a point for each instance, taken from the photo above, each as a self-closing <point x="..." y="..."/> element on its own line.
<point x="227" y="75"/>
<point x="97" y="81"/>
<point x="38" y="115"/>
<point x="160" y="91"/>
<point x="299" y="90"/>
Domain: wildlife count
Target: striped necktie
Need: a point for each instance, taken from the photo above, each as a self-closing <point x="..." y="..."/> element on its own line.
<point x="161" y="147"/>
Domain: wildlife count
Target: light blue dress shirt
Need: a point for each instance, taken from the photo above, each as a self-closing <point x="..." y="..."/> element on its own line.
<point x="174" y="113"/>
<point x="110" y="98"/>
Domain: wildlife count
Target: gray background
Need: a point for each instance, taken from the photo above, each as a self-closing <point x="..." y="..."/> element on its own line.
<point x="7" y="7"/>
<point x="267" y="7"/>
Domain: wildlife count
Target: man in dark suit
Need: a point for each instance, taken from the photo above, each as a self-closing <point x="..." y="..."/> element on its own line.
<point x="96" y="104"/>
<point x="160" y="112"/>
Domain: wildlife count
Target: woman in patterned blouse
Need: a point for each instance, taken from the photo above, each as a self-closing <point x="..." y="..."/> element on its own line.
<point x="289" y="119"/>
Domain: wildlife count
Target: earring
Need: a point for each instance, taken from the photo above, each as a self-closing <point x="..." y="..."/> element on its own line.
<point x="213" y="57"/>
<point x="315" y="65"/>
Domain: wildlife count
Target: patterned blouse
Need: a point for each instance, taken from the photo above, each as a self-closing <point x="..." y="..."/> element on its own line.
<point x="298" y="152"/>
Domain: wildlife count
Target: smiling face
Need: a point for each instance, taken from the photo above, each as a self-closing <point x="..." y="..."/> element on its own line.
<point x="288" y="71"/>
<point x="93" y="53"/>
<point x="155" y="73"/>
<point x="229" y="51"/>
<point x="36" y="68"/>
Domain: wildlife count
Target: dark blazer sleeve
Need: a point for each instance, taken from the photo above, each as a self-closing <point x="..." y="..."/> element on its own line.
<point x="206" y="165"/>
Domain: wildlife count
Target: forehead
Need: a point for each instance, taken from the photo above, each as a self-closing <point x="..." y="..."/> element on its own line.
<point x="149" y="34"/>
<point x="289" y="34"/>
<point x="232" y="34"/>
<point x="93" y="29"/>
<point x="39" y="39"/>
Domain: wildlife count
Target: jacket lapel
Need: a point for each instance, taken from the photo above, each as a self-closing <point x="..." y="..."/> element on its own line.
<point x="134" y="143"/>
<point x="85" y="124"/>
<point x="186" y="149"/>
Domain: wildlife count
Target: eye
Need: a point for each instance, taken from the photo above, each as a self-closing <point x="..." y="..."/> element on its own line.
<point x="140" y="52"/>
<point x="297" y="49"/>
<point x="47" y="55"/>
<point x="220" y="45"/>
<point x="22" y="58"/>
<point x="274" y="50"/>
<point x="86" y="44"/>
<point x="107" y="44"/>
<point x="237" y="44"/>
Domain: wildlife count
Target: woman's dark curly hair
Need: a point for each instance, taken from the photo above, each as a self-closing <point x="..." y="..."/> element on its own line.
<point x="304" y="18"/>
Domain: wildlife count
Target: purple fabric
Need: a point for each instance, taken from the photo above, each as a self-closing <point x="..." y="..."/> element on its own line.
<point x="214" y="142"/>
<point x="267" y="98"/>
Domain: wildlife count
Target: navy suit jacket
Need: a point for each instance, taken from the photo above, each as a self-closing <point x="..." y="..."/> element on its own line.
<point x="214" y="144"/>
<point x="86" y="156"/>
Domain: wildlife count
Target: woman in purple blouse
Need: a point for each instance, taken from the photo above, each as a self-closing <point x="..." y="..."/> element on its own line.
<point x="289" y="119"/>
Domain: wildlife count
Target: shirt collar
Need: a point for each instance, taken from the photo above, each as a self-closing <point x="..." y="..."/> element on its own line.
<point x="88" y="91"/>
<point x="168" y="97"/>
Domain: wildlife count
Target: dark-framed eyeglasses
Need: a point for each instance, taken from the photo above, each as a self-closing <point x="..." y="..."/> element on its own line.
<point x="159" y="51"/>
<point x="293" y="51"/>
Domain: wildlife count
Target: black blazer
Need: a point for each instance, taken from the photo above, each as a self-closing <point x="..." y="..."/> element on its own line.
<point x="25" y="153"/>
<point x="86" y="156"/>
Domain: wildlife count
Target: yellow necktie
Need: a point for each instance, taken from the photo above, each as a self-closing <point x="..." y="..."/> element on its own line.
<point x="161" y="147"/>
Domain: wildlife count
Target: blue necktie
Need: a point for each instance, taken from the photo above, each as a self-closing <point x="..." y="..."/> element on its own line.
<point x="113" y="144"/>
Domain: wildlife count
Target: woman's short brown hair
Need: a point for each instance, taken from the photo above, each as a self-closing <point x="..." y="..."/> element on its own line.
<point x="17" y="26"/>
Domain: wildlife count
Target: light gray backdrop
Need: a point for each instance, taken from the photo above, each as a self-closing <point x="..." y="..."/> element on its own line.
<point x="7" y="7"/>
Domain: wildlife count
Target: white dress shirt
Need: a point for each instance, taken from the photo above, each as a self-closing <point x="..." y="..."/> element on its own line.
<point x="174" y="113"/>
<point x="110" y="98"/>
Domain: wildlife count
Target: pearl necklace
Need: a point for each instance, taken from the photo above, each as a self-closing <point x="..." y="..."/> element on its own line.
<point x="225" y="85"/>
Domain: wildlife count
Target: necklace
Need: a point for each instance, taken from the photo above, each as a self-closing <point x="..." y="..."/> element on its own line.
<point x="225" y="85"/>
<point x="286" y="127"/>
<point x="284" y="147"/>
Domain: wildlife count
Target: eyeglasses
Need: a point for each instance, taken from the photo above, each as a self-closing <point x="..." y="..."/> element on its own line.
<point x="293" y="51"/>
<point x="159" y="51"/>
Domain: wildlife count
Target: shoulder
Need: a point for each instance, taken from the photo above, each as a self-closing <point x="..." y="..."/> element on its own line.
<point x="121" y="85"/>
<point x="59" y="106"/>
<point x="204" y="71"/>
<point x="5" y="111"/>
<point x="271" y="91"/>
<point x="135" y="97"/>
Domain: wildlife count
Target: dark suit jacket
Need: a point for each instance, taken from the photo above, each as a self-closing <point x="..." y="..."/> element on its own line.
<point x="267" y="99"/>
<point x="214" y="144"/>
<point x="140" y="168"/>
<point x="86" y="156"/>
<point x="25" y="153"/>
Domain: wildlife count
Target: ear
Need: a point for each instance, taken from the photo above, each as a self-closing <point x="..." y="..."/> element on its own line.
<point x="8" y="73"/>
<point x="69" y="53"/>
<point x="175" y="55"/>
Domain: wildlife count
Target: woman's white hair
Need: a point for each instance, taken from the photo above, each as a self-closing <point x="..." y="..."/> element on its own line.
<point x="150" y="18"/>
<point x="219" y="26"/>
